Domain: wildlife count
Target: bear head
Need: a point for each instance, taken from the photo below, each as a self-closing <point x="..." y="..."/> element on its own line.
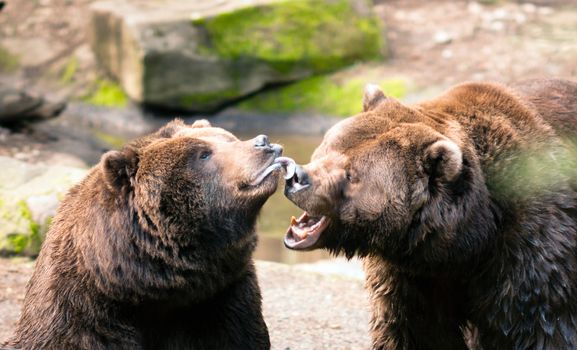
<point x="183" y="177"/>
<point x="391" y="182"/>
<point x="180" y="204"/>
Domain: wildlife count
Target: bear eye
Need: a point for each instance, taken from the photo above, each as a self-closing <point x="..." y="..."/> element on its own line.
<point x="349" y="176"/>
<point x="205" y="155"/>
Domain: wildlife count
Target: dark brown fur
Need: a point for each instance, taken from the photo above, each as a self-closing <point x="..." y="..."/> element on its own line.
<point x="465" y="209"/>
<point x="152" y="250"/>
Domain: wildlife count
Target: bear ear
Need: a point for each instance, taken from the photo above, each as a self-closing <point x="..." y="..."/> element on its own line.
<point x="119" y="167"/>
<point x="372" y="97"/>
<point x="201" y="123"/>
<point x="445" y="160"/>
<point x="171" y="128"/>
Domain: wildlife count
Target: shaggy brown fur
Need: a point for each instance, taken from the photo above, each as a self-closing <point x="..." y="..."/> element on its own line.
<point x="465" y="209"/>
<point x="152" y="250"/>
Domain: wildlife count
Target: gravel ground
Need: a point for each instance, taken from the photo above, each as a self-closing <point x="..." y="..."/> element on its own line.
<point x="307" y="310"/>
<point x="303" y="309"/>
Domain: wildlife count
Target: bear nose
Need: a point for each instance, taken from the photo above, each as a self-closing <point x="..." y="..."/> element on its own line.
<point x="276" y="149"/>
<point x="261" y="141"/>
<point x="299" y="181"/>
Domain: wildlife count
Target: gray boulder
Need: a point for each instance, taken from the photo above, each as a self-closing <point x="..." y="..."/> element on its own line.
<point x="18" y="107"/>
<point x="29" y="197"/>
<point x="199" y="55"/>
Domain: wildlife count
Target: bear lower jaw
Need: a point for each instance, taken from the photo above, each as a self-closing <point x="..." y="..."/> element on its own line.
<point x="304" y="232"/>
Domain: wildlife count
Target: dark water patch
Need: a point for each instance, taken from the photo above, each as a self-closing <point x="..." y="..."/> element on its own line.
<point x="275" y="215"/>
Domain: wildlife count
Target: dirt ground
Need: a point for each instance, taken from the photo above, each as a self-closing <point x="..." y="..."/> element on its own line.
<point x="441" y="43"/>
<point x="299" y="306"/>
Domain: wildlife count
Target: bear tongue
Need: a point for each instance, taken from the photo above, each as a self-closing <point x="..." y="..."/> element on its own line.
<point x="288" y="164"/>
<point x="297" y="230"/>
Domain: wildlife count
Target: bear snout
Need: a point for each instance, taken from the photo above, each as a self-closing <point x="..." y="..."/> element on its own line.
<point x="298" y="182"/>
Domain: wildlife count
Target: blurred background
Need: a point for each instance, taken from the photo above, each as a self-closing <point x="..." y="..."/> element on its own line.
<point x="80" y="77"/>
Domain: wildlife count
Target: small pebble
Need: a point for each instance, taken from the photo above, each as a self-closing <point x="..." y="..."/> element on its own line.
<point x="442" y="37"/>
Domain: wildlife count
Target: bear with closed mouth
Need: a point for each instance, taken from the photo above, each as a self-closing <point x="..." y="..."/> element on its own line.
<point x="464" y="210"/>
<point x="153" y="249"/>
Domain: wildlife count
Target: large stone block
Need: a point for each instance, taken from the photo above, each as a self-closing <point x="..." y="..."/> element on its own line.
<point x="199" y="55"/>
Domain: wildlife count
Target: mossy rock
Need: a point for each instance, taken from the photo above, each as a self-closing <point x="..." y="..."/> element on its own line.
<point x="201" y="55"/>
<point x="69" y="71"/>
<point x="8" y="61"/>
<point x="29" y="196"/>
<point x="295" y="35"/>
<point x="335" y="95"/>
<point x="107" y="93"/>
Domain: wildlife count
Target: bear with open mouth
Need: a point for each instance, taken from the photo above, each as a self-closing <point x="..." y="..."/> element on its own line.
<point x="153" y="249"/>
<point x="464" y="209"/>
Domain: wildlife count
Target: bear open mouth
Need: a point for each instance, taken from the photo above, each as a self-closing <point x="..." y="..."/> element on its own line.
<point x="304" y="232"/>
<point x="286" y="163"/>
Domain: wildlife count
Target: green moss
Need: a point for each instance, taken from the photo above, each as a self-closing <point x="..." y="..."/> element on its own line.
<point x="321" y="94"/>
<point x="17" y="242"/>
<point x="8" y="61"/>
<point x="34" y="239"/>
<point x="107" y="93"/>
<point x="29" y="241"/>
<point x="69" y="71"/>
<point x="395" y="87"/>
<point x="317" y="34"/>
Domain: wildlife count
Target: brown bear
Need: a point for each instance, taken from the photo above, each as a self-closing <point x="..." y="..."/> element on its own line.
<point x="152" y="250"/>
<point x="464" y="209"/>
